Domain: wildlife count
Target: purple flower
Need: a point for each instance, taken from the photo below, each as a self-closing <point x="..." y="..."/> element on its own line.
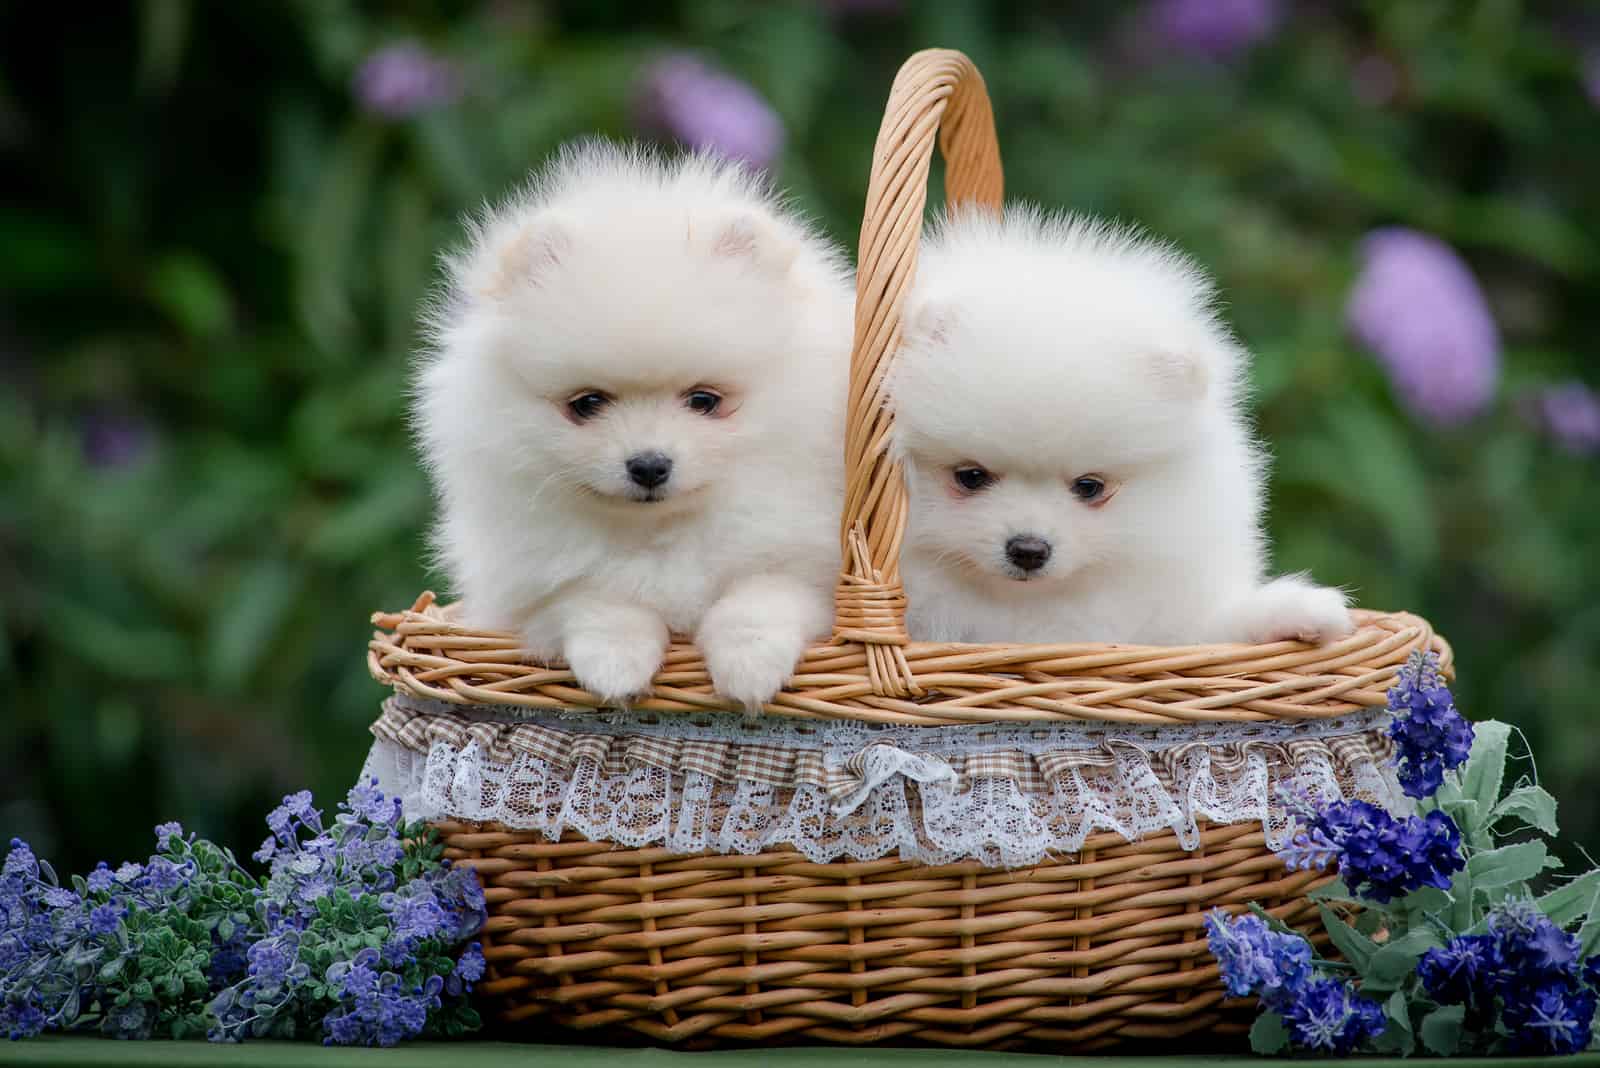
<point x="1554" y="1018"/>
<point x="113" y="439"/>
<point x="100" y="879"/>
<point x="1328" y="1016"/>
<point x="471" y="964"/>
<point x="1430" y="736"/>
<point x="1463" y="972"/>
<point x="1374" y="850"/>
<point x="1418" y="308"/>
<point x="1569" y="414"/>
<point x="166" y="832"/>
<point x="403" y="80"/>
<point x="127" y="873"/>
<point x="1212" y="29"/>
<point x="21" y="861"/>
<point x="163" y="876"/>
<point x="59" y="897"/>
<point x="1591" y="971"/>
<point x="1254" y="959"/>
<point x="708" y="110"/>
<point x="103" y="919"/>
<point x="266" y="852"/>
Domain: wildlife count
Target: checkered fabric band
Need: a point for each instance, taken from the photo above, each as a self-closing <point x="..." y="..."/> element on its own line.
<point x="849" y="769"/>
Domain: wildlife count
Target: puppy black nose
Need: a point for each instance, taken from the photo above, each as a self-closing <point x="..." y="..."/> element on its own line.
<point x="1028" y="552"/>
<point x="649" y="469"/>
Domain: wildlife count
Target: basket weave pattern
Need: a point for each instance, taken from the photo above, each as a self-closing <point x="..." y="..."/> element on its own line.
<point x="1078" y="951"/>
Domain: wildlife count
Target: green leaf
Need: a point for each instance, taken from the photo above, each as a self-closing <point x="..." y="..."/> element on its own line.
<point x="1395" y="961"/>
<point x="1356" y="947"/>
<point x="1570" y="901"/>
<point x="1486" y="766"/>
<point x="1441" y="1029"/>
<point x="1268" y="1034"/>
<point x="1508" y="865"/>
<point x="1398" y="1010"/>
<point x="1589" y="933"/>
<point x="1532" y="805"/>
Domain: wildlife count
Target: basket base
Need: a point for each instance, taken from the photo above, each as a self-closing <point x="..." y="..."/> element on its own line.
<point x="1079" y="953"/>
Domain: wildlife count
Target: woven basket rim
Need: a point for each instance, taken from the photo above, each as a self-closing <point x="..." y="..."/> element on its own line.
<point x="425" y="652"/>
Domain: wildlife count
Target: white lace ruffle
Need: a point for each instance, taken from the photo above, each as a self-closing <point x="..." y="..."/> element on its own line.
<point x="922" y="793"/>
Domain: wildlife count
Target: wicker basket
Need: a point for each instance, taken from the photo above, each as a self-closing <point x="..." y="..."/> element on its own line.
<point x="1076" y="951"/>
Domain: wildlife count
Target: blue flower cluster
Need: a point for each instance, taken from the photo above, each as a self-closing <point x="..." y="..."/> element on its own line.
<point x="1320" y="1014"/>
<point x="1430" y="736"/>
<point x="1527" y="968"/>
<point x="343" y="931"/>
<point x="1380" y="856"/>
<point x="352" y="933"/>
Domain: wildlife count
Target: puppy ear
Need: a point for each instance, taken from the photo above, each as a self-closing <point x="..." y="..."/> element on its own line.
<point x="1179" y="376"/>
<point x="531" y="255"/>
<point x="750" y="237"/>
<point x="931" y="321"/>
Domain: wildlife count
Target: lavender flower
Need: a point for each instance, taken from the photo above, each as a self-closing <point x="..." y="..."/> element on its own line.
<point x="1328" y="1016"/>
<point x="1569" y="414"/>
<point x="1430" y="736"/>
<point x="1211" y="29"/>
<point x="114" y="439"/>
<point x="403" y="80"/>
<point x="105" y="919"/>
<point x="1254" y="959"/>
<point x="1545" y="992"/>
<point x="1555" y="1018"/>
<point x="1464" y="972"/>
<point x="166" y="832"/>
<point x="100" y="880"/>
<point x="1379" y="856"/>
<point x="1417" y="306"/>
<point x="708" y="110"/>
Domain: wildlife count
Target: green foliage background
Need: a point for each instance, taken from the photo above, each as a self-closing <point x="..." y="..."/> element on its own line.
<point x="202" y="234"/>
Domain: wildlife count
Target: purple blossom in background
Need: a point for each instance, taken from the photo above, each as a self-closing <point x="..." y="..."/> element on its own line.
<point x="708" y="110"/>
<point x="1417" y="306"/>
<point x="1212" y="29"/>
<point x="1569" y="414"/>
<point x="402" y="80"/>
<point x="113" y="439"/>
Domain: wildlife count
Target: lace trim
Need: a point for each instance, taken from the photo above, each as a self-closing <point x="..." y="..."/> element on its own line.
<point x="895" y="794"/>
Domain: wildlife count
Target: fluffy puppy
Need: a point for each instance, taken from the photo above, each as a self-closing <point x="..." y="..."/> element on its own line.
<point x="1068" y="410"/>
<point x="632" y="414"/>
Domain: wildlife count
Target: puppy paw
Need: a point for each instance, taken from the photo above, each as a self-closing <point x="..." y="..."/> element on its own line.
<point x="750" y="664"/>
<point x="1293" y="609"/>
<point x="612" y="669"/>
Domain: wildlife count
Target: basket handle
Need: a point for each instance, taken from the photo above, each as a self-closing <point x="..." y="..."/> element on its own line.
<point x="938" y="92"/>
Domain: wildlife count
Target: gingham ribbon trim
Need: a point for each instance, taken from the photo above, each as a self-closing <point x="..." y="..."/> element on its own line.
<point x="850" y="775"/>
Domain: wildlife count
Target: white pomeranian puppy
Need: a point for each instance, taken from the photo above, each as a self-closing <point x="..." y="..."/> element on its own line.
<point x="1068" y="409"/>
<point x="632" y="413"/>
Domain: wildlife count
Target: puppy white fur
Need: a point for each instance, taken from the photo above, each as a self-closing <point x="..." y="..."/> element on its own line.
<point x="631" y="411"/>
<point x="1069" y="412"/>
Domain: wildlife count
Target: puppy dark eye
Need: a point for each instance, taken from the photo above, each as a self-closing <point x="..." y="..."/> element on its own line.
<point x="1088" y="488"/>
<point x="586" y="406"/>
<point x="972" y="478"/>
<point x="703" y="401"/>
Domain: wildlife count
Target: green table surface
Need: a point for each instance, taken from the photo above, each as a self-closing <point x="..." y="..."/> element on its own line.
<point x="93" y="1052"/>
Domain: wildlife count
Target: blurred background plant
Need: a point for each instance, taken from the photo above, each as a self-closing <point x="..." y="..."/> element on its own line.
<point x="218" y="221"/>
